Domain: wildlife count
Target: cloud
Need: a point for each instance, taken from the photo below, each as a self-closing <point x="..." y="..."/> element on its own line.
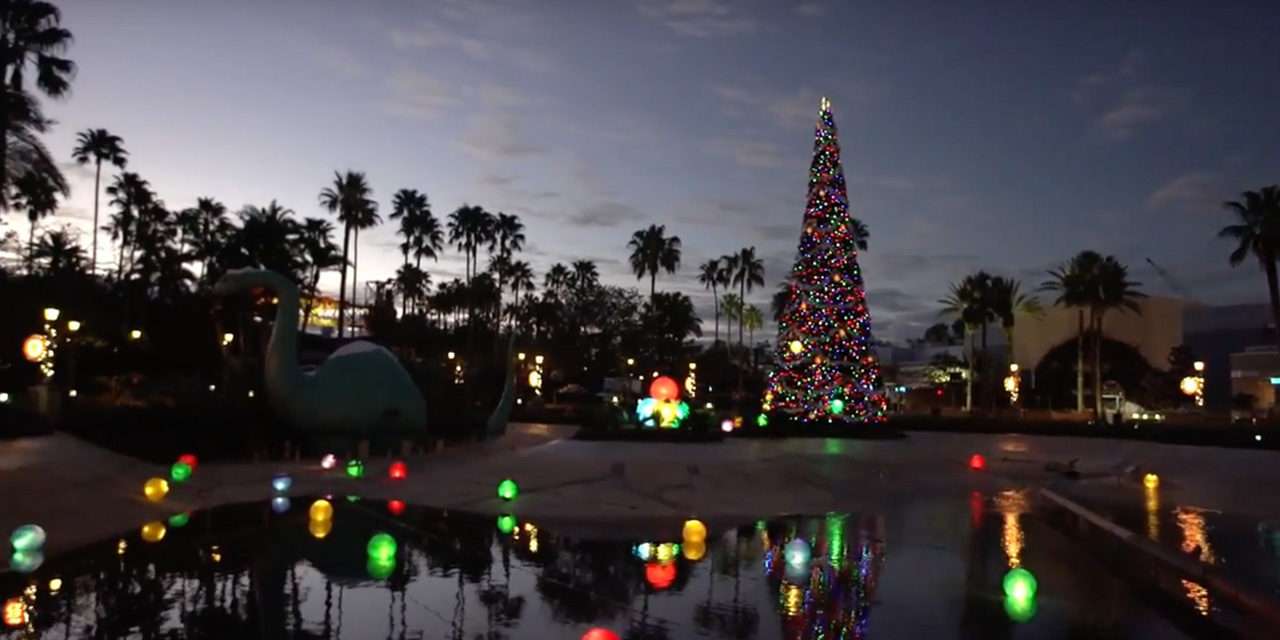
<point x="776" y="232"/>
<point x="1121" y="102"/>
<point x="811" y="9"/>
<point x="418" y="95"/>
<point x="495" y="137"/>
<point x="799" y="109"/>
<point x="496" y="180"/>
<point x="604" y="214"/>
<point x="1190" y="192"/>
<point x="698" y="18"/>
<point x="76" y="171"/>
<point x="748" y="153"/>
<point x="428" y="35"/>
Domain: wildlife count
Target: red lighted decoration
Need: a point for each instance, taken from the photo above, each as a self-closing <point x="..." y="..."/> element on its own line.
<point x="190" y="460"/>
<point x="596" y="633"/>
<point x="395" y="507"/>
<point x="977" y="462"/>
<point x="660" y="576"/>
<point x="664" y="388"/>
<point x="397" y="470"/>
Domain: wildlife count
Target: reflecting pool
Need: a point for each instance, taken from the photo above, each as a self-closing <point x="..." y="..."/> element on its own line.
<point x="980" y="566"/>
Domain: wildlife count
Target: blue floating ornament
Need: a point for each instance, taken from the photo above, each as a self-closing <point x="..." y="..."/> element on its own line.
<point x="281" y="482"/>
<point x="26" y="561"/>
<point x="280" y="504"/>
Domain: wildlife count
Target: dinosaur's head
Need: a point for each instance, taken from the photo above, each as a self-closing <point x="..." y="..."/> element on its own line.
<point x="238" y="281"/>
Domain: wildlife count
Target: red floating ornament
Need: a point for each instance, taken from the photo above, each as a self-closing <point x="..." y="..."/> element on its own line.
<point x="190" y="460"/>
<point x="664" y="388"/>
<point x="395" y="507"/>
<point x="977" y="462"/>
<point x="397" y="470"/>
<point x="660" y="576"/>
<point x="596" y="633"/>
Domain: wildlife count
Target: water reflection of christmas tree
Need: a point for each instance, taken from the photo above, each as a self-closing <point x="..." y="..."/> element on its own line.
<point x="828" y="593"/>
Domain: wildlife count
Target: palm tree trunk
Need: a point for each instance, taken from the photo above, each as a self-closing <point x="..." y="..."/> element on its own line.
<point x="968" y="379"/>
<point x="742" y="308"/>
<point x="1097" y="366"/>
<point x="1080" y="360"/>
<point x="342" y="287"/>
<point x="715" y="299"/>
<point x="355" y="276"/>
<point x="31" y="249"/>
<point x="97" y="180"/>
<point x="985" y="368"/>
<point x="653" y="285"/>
<point x="1273" y="288"/>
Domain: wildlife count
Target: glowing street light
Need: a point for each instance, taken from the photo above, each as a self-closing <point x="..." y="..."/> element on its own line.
<point x="520" y="356"/>
<point x="228" y="338"/>
<point x="537" y="360"/>
<point x="73" y="325"/>
<point x="631" y="362"/>
<point x="1194" y="385"/>
<point x="135" y="334"/>
<point x="51" y="314"/>
<point x="451" y="355"/>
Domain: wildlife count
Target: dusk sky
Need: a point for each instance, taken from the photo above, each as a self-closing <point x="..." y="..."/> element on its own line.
<point x="973" y="137"/>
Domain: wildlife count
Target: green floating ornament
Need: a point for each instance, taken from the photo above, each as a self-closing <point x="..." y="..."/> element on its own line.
<point x="507" y="489"/>
<point x="506" y="524"/>
<point x="837" y="406"/>
<point x="28" y="537"/>
<point x="355" y="469"/>
<point x="179" y="520"/>
<point x="180" y="472"/>
<point x="382" y="547"/>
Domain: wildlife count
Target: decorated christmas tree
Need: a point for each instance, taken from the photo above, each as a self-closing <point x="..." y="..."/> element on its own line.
<point x="825" y="369"/>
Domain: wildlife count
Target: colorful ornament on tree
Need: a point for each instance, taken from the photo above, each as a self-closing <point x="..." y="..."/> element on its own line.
<point x="824" y="332"/>
<point x="663" y="408"/>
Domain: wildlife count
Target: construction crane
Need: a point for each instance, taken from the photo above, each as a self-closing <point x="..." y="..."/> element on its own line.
<point x="1171" y="281"/>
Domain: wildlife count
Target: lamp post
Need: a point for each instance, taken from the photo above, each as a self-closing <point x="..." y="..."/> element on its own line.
<point x="1193" y="385"/>
<point x="1013" y="383"/>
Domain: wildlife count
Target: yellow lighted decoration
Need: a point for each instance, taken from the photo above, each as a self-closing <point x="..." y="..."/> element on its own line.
<point x="34" y="347"/>
<point x="535" y="379"/>
<point x="1198" y="365"/>
<point x="135" y="334"/>
<point x="694" y="551"/>
<point x="694" y="531"/>
<point x="319" y="528"/>
<point x="15" y="612"/>
<point x="796" y="346"/>
<point x="1190" y="385"/>
<point x="537" y="359"/>
<point x="321" y="510"/>
<point x="1151" y="481"/>
<point x="792" y="599"/>
<point x="73" y="325"/>
<point x="155" y="489"/>
<point x="51" y="314"/>
<point x="228" y="338"/>
<point x="666" y="552"/>
<point x="153" y="531"/>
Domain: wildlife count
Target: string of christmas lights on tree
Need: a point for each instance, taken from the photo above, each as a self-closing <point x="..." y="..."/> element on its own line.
<point x="826" y="371"/>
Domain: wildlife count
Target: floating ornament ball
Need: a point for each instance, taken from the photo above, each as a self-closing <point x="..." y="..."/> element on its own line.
<point x="726" y="426"/>
<point x="319" y="528"/>
<point x="977" y="462"/>
<point x="381" y="568"/>
<point x="659" y="575"/>
<point x="1151" y="481"/>
<point x="762" y="420"/>
<point x="190" y="460"/>
<point x="329" y="461"/>
<point x="797" y="553"/>
<point x="153" y="531"/>
<point x="837" y="406"/>
<point x="507" y="489"/>
<point x="1020" y="609"/>
<point x="597" y="633"/>
<point x="35" y="347"/>
<point x="179" y="520"/>
<point x="1019" y="584"/>
<point x="694" y="551"/>
<point x="381" y="546"/>
<point x="280" y="504"/>
<point x="28" y="537"/>
<point x="355" y="469"/>
<point x="398" y="470"/>
<point x="395" y="507"/>
<point x="506" y="524"/>
<point x="180" y="472"/>
<point x="694" y="531"/>
<point x="281" y="482"/>
<point x="320" y="510"/>
<point x="664" y="388"/>
<point x="26" y="561"/>
<point x="155" y="489"/>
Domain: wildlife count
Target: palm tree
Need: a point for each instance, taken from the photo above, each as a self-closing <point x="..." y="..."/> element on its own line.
<point x="860" y="234"/>
<point x="520" y="276"/>
<point x="39" y="197"/>
<point x="709" y="278"/>
<point x="32" y="36"/>
<point x="1072" y="282"/>
<point x="585" y="275"/>
<point x="98" y="146"/>
<point x="729" y="266"/>
<point x="366" y="218"/>
<point x="969" y="302"/>
<point x="210" y="231"/>
<point x="428" y="239"/>
<point x="407" y="206"/>
<point x="753" y="319"/>
<point x="749" y="275"/>
<point x="412" y="283"/>
<point x="349" y="197"/>
<point x="23" y="150"/>
<point x="652" y="250"/>
<point x="507" y="237"/>
<point x="469" y="227"/>
<point x="319" y="254"/>
<point x="130" y="194"/>
<point x="1007" y="301"/>
<point x="59" y="254"/>
<point x="1258" y="233"/>
<point x="1111" y="289"/>
<point x="557" y="279"/>
<point x="731" y="305"/>
<point x="268" y="238"/>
